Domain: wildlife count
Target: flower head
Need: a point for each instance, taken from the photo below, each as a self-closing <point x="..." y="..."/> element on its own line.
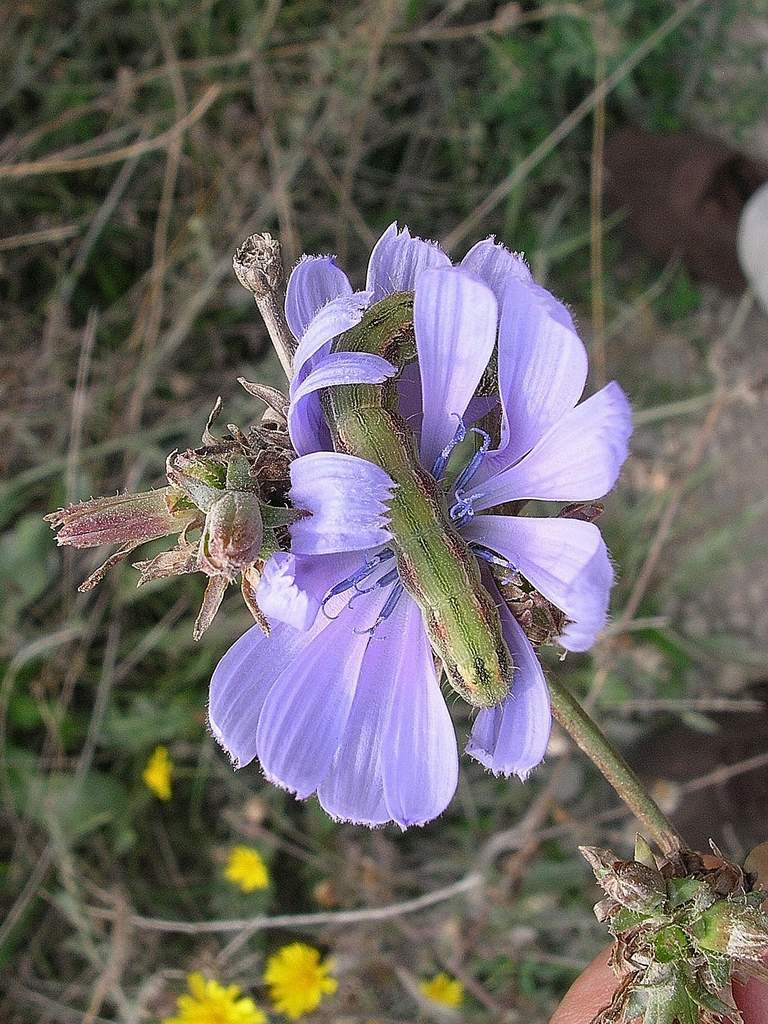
<point x="343" y="698"/>
<point x="208" y="1002"/>
<point x="246" y="869"/>
<point x="298" y="979"/>
<point x="443" y="989"/>
<point x="157" y="773"/>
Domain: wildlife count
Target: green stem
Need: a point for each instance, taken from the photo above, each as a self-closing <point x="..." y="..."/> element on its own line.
<point x="587" y="735"/>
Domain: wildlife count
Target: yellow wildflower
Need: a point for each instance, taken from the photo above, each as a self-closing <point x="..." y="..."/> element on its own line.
<point x="443" y="989"/>
<point x="245" y="868"/>
<point x="157" y="774"/>
<point x="209" y="1002"/>
<point x="298" y="980"/>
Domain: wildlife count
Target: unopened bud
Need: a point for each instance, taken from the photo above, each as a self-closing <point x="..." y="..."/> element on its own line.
<point x="232" y="535"/>
<point x="122" y="519"/>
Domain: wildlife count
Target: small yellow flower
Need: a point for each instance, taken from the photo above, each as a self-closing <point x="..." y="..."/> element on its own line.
<point x="209" y="1002"/>
<point x="297" y="979"/>
<point x="246" y="869"/>
<point x="157" y="774"/>
<point x="443" y="989"/>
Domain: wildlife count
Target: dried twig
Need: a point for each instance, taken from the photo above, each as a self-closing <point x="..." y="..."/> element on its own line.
<point x="57" y="165"/>
<point x="80" y="404"/>
<point x="725" y="772"/>
<point x="331" y="919"/>
<point x="41" y="237"/>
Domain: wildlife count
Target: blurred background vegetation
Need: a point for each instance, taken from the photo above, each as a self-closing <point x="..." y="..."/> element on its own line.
<point x="141" y="142"/>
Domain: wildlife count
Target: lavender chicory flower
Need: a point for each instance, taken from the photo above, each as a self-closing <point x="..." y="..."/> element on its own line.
<point x="342" y="698"/>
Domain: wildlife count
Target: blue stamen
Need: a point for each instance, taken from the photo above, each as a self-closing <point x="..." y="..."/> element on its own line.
<point x="360" y="574"/>
<point x="373" y="563"/>
<point x="463" y="508"/>
<point x="442" y="459"/>
<point x="384" y="581"/>
<point x="475" y="462"/>
<point x="491" y="557"/>
<point x="389" y="606"/>
<point x="462" y="511"/>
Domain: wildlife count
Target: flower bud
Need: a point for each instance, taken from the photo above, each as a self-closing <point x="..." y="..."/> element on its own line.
<point x="232" y="535"/>
<point x="122" y="519"/>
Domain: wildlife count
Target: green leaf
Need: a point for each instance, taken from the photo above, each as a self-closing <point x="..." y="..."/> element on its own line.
<point x="275" y="517"/>
<point x="720" y="969"/>
<point x="709" y="1001"/>
<point x="624" y="919"/>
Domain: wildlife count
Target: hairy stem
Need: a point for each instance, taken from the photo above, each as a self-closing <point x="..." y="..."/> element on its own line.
<point x="609" y="762"/>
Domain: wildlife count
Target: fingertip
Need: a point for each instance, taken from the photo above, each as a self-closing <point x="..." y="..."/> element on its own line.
<point x="590" y="993"/>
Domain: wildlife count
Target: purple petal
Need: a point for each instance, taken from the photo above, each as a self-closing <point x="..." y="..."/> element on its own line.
<point x="349" y="501"/>
<point x="564" y="559"/>
<point x="589" y="604"/>
<point x="338" y="316"/>
<point x="397" y="260"/>
<point x="292" y="587"/>
<point x="418" y="748"/>
<point x="241" y="682"/>
<point x="314" y="281"/>
<point x="495" y="265"/>
<point x="578" y="459"/>
<point x="542" y="367"/>
<point x="455" y="323"/>
<point x="306" y="711"/>
<point x="353" y="790"/>
<point x="306" y="422"/>
<point x="512" y="739"/>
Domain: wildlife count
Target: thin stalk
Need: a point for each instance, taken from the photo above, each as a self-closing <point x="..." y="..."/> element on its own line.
<point x="612" y="766"/>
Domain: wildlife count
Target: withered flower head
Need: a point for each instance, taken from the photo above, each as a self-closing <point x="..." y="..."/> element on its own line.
<point x="128" y="520"/>
<point x="258" y="265"/>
